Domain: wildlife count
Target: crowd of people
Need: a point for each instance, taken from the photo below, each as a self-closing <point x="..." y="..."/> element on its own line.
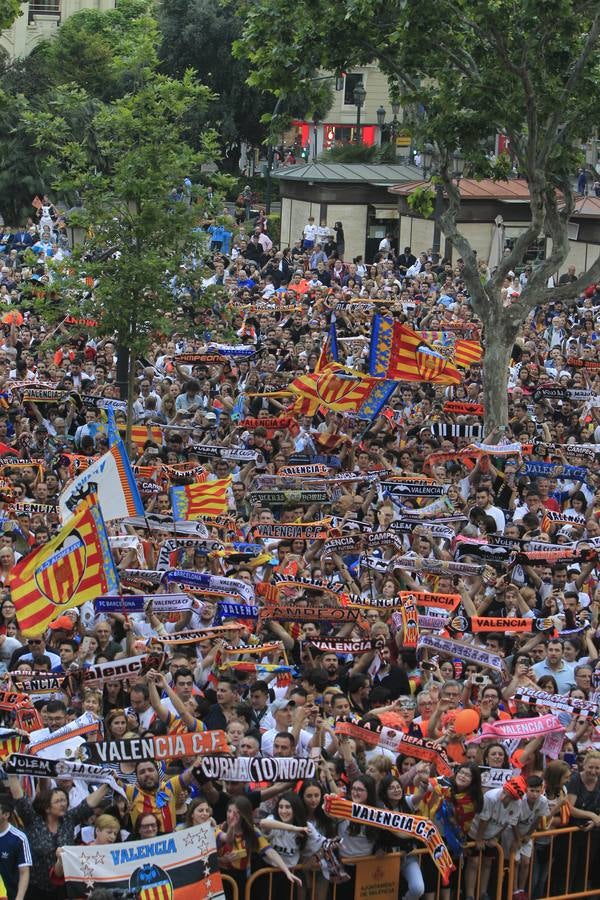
<point x="399" y="579"/>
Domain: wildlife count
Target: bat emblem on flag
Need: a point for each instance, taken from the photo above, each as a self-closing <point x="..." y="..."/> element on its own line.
<point x="151" y="883"/>
<point x="59" y="576"/>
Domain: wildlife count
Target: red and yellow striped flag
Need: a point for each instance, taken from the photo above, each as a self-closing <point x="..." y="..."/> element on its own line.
<point x="335" y="387"/>
<point x="208" y="498"/>
<point x="467" y="352"/>
<point x="400" y="354"/>
<point x="74" y="567"/>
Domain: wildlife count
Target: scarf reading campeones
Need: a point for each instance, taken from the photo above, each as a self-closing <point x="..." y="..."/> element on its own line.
<point x="406" y="824"/>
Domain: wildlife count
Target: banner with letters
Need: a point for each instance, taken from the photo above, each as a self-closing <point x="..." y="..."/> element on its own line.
<point x="182" y="865"/>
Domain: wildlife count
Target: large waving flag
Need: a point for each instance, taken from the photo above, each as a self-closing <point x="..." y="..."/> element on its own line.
<point x="466" y="353"/>
<point x="401" y="354"/>
<point x="458" y="351"/>
<point x="208" y="498"/>
<point x="72" y="568"/>
<point x="111" y="479"/>
<point x="342" y="390"/>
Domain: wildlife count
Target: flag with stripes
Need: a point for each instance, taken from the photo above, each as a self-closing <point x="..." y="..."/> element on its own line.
<point x="398" y="353"/>
<point x="340" y="389"/>
<point x="112" y="480"/>
<point x="467" y="353"/>
<point x="181" y="865"/>
<point x="208" y="498"/>
<point x="72" y="568"/>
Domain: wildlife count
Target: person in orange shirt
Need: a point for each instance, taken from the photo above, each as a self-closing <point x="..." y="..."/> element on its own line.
<point x="298" y="284"/>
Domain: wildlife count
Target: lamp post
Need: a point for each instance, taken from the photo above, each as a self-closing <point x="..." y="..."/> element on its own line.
<point x="359" y="94"/>
<point x="380" y="122"/>
<point x="395" y="123"/>
<point x="429" y="163"/>
<point x="315" y="125"/>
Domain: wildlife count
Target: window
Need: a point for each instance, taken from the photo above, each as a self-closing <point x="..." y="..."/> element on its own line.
<point x="350" y="82"/>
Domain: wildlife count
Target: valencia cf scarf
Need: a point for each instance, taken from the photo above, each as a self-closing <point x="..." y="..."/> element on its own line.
<point x="403" y="824"/>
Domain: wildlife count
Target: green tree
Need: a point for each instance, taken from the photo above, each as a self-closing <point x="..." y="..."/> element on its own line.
<point x="476" y="68"/>
<point x="128" y="206"/>
<point x="9" y="11"/>
<point x="199" y="34"/>
<point x="99" y="50"/>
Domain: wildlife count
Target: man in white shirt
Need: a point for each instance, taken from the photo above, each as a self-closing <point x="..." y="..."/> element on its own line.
<point x="309" y="234"/>
<point x="283" y="713"/>
<point x="484" y="501"/>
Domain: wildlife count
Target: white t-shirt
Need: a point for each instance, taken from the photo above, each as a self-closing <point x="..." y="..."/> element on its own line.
<point x="268" y="739"/>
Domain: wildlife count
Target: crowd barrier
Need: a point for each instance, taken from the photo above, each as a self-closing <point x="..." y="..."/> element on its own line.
<point x="565" y="866"/>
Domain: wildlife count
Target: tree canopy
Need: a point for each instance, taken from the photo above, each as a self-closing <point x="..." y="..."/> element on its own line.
<point x="473" y="69"/>
<point x="137" y="224"/>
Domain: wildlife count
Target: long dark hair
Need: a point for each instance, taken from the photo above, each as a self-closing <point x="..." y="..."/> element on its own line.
<point x="382" y="790"/>
<point x="299" y="811"/>
<point x="323" y="823"/>
<point x="371" y="787"/>
<point x="244" y="807"/>
<point x="506" y="764"/>
<point x="474" y="790"/>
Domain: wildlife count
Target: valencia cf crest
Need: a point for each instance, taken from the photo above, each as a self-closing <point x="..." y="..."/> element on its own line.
<point x="58" y="578"/>
<point x="150" y="882"/>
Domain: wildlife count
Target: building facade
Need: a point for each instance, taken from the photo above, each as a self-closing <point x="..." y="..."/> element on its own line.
<point x="40" y="20"/>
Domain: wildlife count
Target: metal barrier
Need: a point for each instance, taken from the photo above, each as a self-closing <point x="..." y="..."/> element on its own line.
<point x="564" y="866"/>
<point x="316" y="887"/>
<point x="232" y="892"/>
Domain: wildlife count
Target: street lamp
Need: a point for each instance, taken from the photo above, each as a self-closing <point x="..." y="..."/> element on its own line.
<point x="359" y="95"/>
<point x="427" y="159"/>
<point x="458" y="165"/>
<point x="395" y="111"/>
<point x="429" y="164"/>
<point x="315" y="124"/>
<point x="380" y="113"/>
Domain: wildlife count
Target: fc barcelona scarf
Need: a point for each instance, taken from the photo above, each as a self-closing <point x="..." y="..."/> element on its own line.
<point x="406" y="825"/>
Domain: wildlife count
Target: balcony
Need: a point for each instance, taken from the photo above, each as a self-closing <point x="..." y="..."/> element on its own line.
<point x="44" y="9"/>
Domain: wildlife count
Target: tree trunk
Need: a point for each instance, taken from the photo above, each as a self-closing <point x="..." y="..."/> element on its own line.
<point x="130" y="400"/>
<point x="122" y="369"/>
<point x="499" y="341"/>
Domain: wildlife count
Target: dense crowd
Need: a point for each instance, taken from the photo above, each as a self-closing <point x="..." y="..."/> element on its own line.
<point x="440" y="588"/>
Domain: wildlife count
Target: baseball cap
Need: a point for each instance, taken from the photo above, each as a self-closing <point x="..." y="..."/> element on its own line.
<point x="210" y="416"/>
<point x="281" y="704"/>
<point x="63" y="622"/>
<point x="516" y="787"/>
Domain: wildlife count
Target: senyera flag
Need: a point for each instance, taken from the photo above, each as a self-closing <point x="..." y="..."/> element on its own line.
<point x="111" y="479"/>
<point x="178" y="866"/>
<point x="74" y="567"/>
<point x="208" y="498"/>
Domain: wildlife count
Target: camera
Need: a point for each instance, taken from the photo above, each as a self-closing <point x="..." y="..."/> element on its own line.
<point x="481" y="679"/>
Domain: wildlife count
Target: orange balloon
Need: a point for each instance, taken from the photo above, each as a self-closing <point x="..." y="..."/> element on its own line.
<point x="391" y="719"/>
<point x="11" y="316"/>
<point x="466" y="721"/>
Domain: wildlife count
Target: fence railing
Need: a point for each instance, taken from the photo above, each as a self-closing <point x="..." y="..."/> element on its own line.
<point x="270" y="884"/>
<point x="563" y="865"/>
